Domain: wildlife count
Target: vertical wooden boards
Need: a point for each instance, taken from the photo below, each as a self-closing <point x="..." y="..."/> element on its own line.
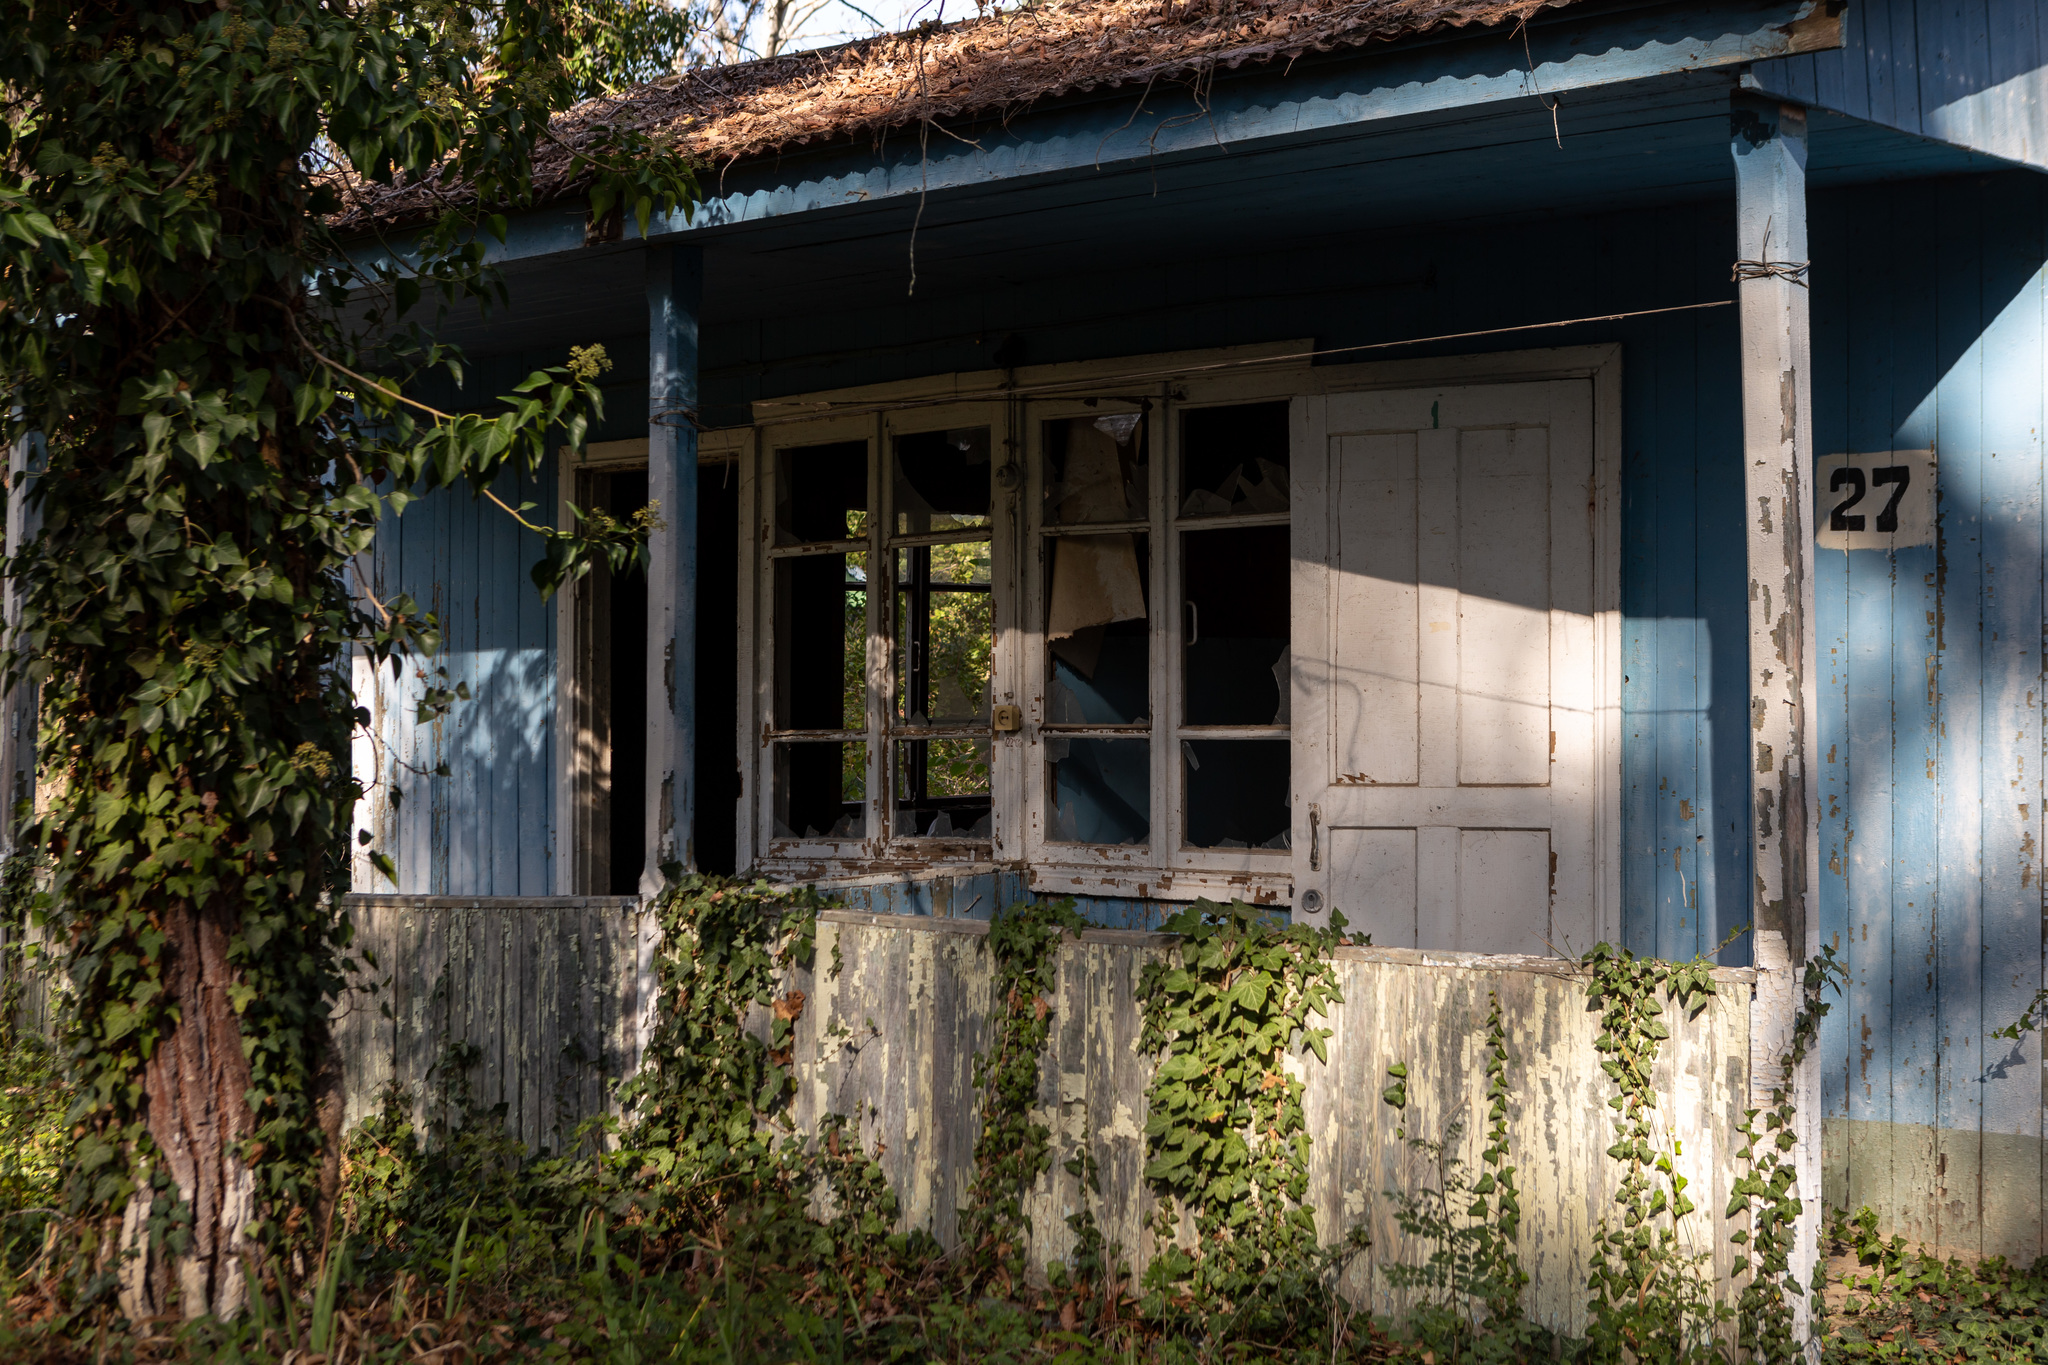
<point x="875" y="1043"/>
<point x="890" y="1040"/>
<point x="1968" y="72"/>
<point x="2006" y="355"/>
<point x="1932" y="740"/>
<point x="482" y="827"/>
<point x="1959" y="736"/>
<point x="532" y="986"/>
<point x="1915" y="752"/>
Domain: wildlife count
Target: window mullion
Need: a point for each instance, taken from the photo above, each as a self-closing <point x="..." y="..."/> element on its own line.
<point x="1008" y="785"/>
<point x="1166" y="654"/>
<point x="881" y="609"/>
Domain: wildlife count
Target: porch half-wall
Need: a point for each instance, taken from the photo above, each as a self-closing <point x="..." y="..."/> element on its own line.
<point x="542" y="998"/>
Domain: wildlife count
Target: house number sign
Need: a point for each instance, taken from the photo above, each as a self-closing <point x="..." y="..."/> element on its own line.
<point x="1879" y="501"/>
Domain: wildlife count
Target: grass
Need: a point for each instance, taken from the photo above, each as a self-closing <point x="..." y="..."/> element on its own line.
<point x="452" y="1245"/>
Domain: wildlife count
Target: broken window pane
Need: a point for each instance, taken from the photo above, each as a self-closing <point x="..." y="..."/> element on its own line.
<point x="1098" y="791"/>
<point x="1095" y="469"/>
<point x="1233" y="460"/>
<point x="1096" y="633"/>
<point x="821" y="790"/>
<point x="1237" y="793"/>
<point x="1234" y="609"/>
<point x="942" y="789"/>
<point x="821" y="606"/>
<point x="942" y="480"/>
<point x="945" y="632"/>
<point x="821" y="492"/>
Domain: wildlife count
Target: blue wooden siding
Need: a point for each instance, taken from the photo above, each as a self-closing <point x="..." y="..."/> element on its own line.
<point x="1929" y="332"/>
<point x="487" y="827"/>
<point x="1970" y="72"/>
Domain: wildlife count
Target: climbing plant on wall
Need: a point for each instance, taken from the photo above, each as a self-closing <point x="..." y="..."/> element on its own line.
<point x="1013" y="1149"/>
<point x="218" y="392"/>
<point x="1226" y="1136"/>
<point x="1653" y="1293"/>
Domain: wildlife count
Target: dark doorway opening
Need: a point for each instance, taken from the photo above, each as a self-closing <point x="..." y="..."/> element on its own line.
<point x="716" y="832"/>
<point x="611" y="832"/>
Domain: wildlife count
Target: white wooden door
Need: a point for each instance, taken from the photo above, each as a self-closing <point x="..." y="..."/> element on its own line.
<point x="1447" y="750"/>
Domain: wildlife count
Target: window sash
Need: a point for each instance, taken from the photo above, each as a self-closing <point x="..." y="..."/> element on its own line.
<point x="1020" y="541"/>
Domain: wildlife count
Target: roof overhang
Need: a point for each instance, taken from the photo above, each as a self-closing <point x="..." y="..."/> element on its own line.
<point x="1562" y="53"/>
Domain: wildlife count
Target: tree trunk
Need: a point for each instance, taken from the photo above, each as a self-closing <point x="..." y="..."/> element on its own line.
<point x="196" y="1090"/>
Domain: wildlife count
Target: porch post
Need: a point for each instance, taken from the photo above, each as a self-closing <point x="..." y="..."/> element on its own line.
<point x="18" y="717"/>
<point x="1769" y="145"/>
<point x="675" y="279"/>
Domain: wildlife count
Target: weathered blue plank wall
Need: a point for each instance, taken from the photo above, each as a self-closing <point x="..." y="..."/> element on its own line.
<point x="1929" y="332"/>
<point x="486" y="827"/>
<point x="1970" y="72"/>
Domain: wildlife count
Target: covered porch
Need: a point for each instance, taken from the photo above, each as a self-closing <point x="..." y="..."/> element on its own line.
<point x="1398" y="228"/>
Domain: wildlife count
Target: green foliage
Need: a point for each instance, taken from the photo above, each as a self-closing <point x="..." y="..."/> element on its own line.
<point x="679" y="1238"/>
<point x="1225" y="1134"/>
<point x="707" y="1078"/>
<point x="219" y="390"/>
<point x="1768" y="1188"/>
<point x="33" y="1145"/>
<point x="1013" y="1148"/>
<point x="2031" y="1018"/>
<point x="1892" y="1303"/>
<point x="1652" y="1298"/>
<point x="616" y="43"/>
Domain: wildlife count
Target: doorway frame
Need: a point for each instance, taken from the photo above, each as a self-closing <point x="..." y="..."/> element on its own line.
<point x="574" y="796"/>
<point x="1602" y="364"/>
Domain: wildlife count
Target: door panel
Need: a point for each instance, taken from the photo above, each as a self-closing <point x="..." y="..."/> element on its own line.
<point x="1444" y="556"/>
<point x="1376" y="682"/>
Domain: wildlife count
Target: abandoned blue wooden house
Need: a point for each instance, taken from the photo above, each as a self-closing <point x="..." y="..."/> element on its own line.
<point x="1516" y="474"/>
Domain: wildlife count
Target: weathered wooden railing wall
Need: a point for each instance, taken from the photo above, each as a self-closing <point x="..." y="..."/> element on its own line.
<point x="545" y="990"/>
<point x="548" y="992"/>
<point x="892" y="1040"/>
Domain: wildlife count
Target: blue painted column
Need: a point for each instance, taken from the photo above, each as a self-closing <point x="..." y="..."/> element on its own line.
<point x="1768" y="142"/>
<point x="675" y="286"/>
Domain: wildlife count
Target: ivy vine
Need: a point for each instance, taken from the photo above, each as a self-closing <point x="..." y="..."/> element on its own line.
<point x="1768" y="1189"/>
<point x="707" y="1079"/>
<point x="1469" y="1289"/>
<point x="1652" y="1298"/>
<point x="225" y="394"/>
<point x="1013" y="1149"/>
<point x="1226" y="1135"/>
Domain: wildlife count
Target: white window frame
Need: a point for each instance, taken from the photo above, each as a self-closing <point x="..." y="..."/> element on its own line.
<point x="1166" y="384"/>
